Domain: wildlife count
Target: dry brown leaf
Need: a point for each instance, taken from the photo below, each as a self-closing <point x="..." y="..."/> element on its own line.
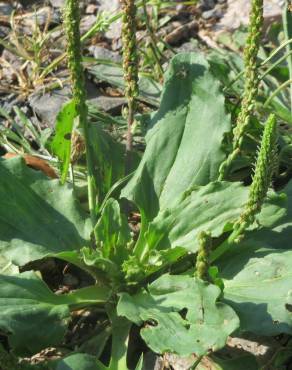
<point x="36" y="163"/>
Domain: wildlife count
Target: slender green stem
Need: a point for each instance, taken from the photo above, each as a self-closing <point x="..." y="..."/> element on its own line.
<point x="154" y="41"/>
<point x="287" y="25"/>
<point x="277" y="62"/>
<point x="197" y="363"/>
<point x="276" y="92"/>
<point x="72" y="24"/>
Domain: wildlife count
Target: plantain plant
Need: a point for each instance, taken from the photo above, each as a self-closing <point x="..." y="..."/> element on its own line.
<point x="211" y="257"/>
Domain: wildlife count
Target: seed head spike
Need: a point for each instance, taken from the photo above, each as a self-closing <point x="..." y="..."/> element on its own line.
<point x="203" y="257"/>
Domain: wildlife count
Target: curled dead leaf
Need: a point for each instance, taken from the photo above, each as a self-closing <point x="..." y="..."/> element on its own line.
<point x="36" y="163"/>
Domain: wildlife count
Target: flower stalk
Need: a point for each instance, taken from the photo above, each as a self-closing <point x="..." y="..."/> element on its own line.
<point x="130" y="64"/>
<point x="252" y="79"/>
<point x="72" y="24"/>
<point x="203" y="257"/>
<point x="264" y="170"/>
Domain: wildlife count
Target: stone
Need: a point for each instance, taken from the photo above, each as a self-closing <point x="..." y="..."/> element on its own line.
<point x="182" y="33"/>
<point x="111" y="7"/>
<point x="87" y="22"/>
<point x="91" y="9"/>
<point x="40" y="17"/>
<point x="4" y="31"/>
<point x="237" y="14"/>
<point x="206" y="4"/>
<point x="46" y="106"/>
<point x="213" y="13"/>
<point x="6" y="9"/>
<point x="98" y="52"/>
<point x="57" y="3"/>
<point x="108" y="104"/>
<point x="188" y="47"/>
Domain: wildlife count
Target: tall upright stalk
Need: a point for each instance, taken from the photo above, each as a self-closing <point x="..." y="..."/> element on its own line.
<point x="130" y="65"/>
<point x="252" y="79"/>
<point x="72" y="24"/>
<point x="264" y="170"/>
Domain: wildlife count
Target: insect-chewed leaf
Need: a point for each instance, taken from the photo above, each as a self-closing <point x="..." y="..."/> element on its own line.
<point x="33" y="316"/>
<point x="204" y="326"/>
<point x="61" y="144"/>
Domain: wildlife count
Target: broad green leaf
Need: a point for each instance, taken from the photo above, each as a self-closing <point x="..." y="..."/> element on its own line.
<point x="257" y="273"/>
<point x="108" y="160"/>
<point x="278" y="233"/>
<point x="184" y="144"/>
<point x="113" y="233"/>
<point x="149" y="89"/>
<point x="33" y="316"/>
<point x="38" y="216"/>
<point x="258" y="285"/>
<point x="77" y="361"/>
<point x="204" y="326"/>
<point x="61" y="144"/>
<point x="212" y="207"/>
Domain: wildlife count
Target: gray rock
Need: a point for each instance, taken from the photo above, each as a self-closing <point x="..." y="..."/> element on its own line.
<point x="237" y="13"/>
<point x="6" y="9"/>
<point x="87" y="22"/>
<point x="60" y="3"/>
<point x="207" y="4"/>
<point x="47" y="105"/>
<point x="99" y="52"/>
<point x="188" y="47"/>
<point x="41" y="17"/>
<point x="111" y="7"/>
<point x="213" y="13"/>
<point x="4" y="31"/>
<point x="57" y="3"/>
<point x="108" y="104"/>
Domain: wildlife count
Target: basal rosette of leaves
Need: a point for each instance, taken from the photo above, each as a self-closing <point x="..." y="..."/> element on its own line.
<point x="176" y="190"/>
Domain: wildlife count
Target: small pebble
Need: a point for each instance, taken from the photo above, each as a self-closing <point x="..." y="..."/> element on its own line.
<point x="5" y="9"/>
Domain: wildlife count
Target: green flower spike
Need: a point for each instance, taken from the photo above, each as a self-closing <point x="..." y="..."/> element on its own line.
<point x="72" y="24"/>
<point x="251" y="77"/>
<point x="130" y="62"/>
<point x="203" y="257"/>
<point x="264" y="170"/>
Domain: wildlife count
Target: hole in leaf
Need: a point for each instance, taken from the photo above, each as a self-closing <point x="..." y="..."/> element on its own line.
<point x="183" y="313"/>
<point x="151" y="322"/>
